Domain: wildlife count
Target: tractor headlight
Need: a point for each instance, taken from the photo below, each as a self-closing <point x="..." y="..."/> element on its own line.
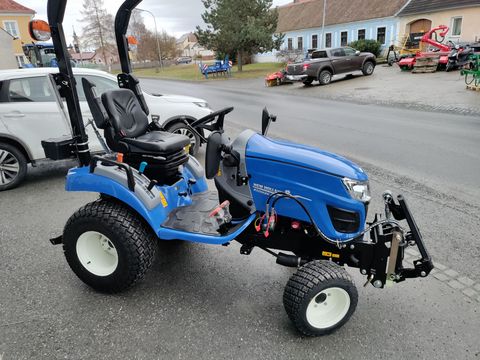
<point x="359" y="190"/>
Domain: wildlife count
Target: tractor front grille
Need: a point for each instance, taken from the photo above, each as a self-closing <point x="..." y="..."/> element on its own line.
<point x="344" y="221"/>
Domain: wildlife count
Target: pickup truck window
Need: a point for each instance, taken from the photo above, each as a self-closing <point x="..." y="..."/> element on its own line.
<point x="338" y="52"/>
<point x="349" y="51"/>
<point x="319" y="54"/>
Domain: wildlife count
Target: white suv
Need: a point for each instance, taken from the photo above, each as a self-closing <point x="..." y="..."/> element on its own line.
<point x="30" y="114"/>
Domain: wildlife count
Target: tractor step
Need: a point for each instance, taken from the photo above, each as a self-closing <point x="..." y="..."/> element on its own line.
<point x="196" y="218"/>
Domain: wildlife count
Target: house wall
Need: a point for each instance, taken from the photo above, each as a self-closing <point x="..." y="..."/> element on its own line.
<point x="470" y="22"/>
<point x="370" y="26"/>
<point x="22" y="24"/>
<point x="7" y="59"/>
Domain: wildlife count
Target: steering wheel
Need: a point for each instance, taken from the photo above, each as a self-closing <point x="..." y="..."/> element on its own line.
<point x="218" y="125"/>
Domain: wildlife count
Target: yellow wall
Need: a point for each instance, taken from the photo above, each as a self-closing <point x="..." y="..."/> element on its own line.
<point x="470" y="22"/>
<point x="22" y="22"/>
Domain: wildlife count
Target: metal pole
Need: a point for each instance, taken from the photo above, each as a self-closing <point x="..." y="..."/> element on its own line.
<point x="323" y="23"/>
<point x="156" y="37"/>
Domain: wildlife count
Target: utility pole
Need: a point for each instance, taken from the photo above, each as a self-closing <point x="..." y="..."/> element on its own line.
<point x="159" y="52"/>
<point x="323" y="23"/>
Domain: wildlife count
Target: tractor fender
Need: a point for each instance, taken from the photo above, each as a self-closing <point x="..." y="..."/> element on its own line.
<point x="153" y="209"/>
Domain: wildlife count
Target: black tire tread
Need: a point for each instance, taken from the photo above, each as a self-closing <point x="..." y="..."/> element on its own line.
<point x="22" y="161"/>
<point x="303" y="281"/>
<point x="364" y="66"/>
<point x="140" y="250"/>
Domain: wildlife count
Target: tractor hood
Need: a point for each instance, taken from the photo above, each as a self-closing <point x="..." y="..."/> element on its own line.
<point x="303" y="156"/>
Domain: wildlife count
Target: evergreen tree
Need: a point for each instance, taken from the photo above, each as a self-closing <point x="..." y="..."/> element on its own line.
<point x="241" y="27"/>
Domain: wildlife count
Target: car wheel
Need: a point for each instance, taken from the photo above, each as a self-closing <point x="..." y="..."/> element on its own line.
<point x="368" y="68"/>
<point x="325" y="77"/>
<point x="181" y="128"/>
<point x="308" y="80"/>
<point x="13" y="166"/>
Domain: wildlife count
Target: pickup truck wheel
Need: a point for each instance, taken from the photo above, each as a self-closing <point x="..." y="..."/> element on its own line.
<point x="308" y="80"/>
<point x="368" y="68"/>
<point x="325" y="77"/>
<point x="13" y="167"/>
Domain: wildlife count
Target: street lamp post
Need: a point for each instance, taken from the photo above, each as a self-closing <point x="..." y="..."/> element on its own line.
<point x="159" y="52"/>
<point x="323" y="22"/>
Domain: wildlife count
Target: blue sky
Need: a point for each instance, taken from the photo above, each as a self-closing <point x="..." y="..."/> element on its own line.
<point x="175" y="16"/>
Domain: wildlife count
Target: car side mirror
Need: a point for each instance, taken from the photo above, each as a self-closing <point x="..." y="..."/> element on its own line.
<point x="357" y="53"/>
<point x="39" y="30"/>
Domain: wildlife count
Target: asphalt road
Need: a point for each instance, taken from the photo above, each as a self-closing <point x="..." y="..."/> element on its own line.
<point x="208" y="302"/>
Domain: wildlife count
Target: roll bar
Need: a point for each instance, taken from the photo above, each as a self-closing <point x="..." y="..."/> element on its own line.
<point x="66" y="81"/>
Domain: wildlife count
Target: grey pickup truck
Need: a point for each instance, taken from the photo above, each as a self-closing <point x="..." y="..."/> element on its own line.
<point x="323" y="64"/>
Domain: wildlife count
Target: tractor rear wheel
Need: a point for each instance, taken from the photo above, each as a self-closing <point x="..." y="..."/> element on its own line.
<point x="108" y="246"/>
<point x="320" y="298"/>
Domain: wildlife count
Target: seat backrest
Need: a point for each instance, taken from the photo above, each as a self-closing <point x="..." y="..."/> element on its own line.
<point x="125" y="113"/>
<point x="97" y="109"/>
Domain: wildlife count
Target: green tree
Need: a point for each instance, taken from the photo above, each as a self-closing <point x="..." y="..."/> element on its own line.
<point x="241" y="27"/>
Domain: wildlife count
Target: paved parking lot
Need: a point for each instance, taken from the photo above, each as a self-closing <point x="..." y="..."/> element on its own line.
<point x="207" y="302"/>
<point x="440" y="91"/>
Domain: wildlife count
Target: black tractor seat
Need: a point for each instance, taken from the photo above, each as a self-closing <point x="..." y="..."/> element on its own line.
<point x="161" y="142"/>
<point x="129" y="126"/>
<point x="127" y="130"/>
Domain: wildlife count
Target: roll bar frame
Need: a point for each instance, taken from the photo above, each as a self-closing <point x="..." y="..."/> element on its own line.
<point x="66" y="81"/>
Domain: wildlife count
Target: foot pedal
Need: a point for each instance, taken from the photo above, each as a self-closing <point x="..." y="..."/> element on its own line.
<point x="246" y="249"/>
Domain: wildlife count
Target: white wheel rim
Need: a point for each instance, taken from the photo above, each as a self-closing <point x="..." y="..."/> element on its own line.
<point x="9" y="167"/>
<point x="97" y="253"/>
<point x="369" y="68"/>
<point x="326" y="77"/>
<point x="328" y="308"/>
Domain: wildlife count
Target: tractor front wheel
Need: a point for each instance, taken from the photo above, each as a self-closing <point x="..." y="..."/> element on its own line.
<point x="319" y="298"/>
<point x="107" y="246"/>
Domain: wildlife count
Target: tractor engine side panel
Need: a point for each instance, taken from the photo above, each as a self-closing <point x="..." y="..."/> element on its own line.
<point x="314" y="189"/>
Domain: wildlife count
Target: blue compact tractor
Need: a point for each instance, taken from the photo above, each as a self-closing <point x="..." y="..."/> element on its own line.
<point x="304" y="206"/>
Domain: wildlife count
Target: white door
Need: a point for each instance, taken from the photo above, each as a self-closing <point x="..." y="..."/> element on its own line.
<point x="29" y="112"/>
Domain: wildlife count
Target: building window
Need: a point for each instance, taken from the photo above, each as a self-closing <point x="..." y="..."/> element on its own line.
<point x="343" y="38"/>
<point x="456" y="26"/>
<point x="300" y="43"/>
<point x="11" y="27"/>
<point x="361" y="34"/>
<point x="20" y="60"/>
<point x="328" y="40"/>
<point x="314" y="41"/>
<point x="381" y="34"/>
<point x="290" y="44"/>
